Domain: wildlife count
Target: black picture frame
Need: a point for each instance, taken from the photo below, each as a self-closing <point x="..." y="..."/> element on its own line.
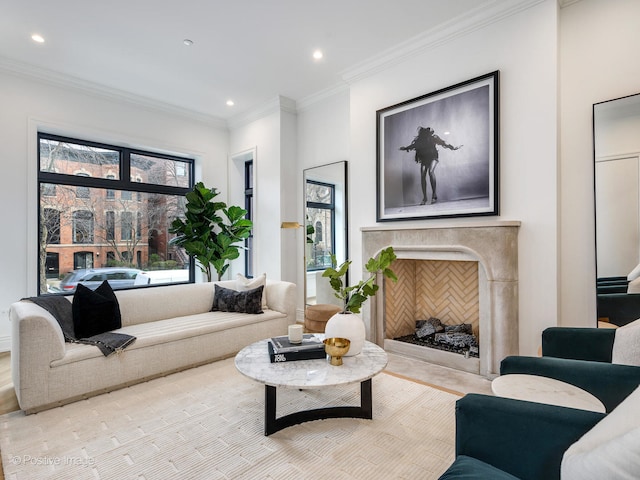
<point x="448" y="139"/>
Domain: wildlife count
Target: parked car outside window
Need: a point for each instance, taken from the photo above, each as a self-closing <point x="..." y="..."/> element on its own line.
<point x="93" y="277"/>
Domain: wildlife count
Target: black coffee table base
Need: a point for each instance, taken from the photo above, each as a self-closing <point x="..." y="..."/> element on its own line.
<point x="273" y="424"/>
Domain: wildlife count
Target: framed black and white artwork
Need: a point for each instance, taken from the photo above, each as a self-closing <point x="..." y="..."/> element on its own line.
<point x="437" y="155"/>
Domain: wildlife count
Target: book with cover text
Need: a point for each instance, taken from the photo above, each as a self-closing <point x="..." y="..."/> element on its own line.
<point x="309" y="342"/>
<point x="310" y="354"/>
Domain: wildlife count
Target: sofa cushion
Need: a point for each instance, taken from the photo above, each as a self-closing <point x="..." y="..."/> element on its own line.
<point x="243" y="284"/>
<point x="228" y="300"/>
<point x="468" y="468"/>
<point x="174" y="331"/>
<point x="96" y="311"/>
<point x="611" y="449"/>
<point x="626" y="345"/>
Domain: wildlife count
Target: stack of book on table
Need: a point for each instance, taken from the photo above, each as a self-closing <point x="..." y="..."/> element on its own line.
<point x="282" y="350"/>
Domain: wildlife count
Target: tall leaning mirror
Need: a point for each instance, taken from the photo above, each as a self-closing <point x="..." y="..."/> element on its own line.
<point x="616" y="134"/>
<point x="325" y="222"/>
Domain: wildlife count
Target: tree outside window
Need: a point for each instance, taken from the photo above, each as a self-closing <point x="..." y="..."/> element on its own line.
<point x="126" y="226"/>
<point x="82" y="227"/>
<point x="85" y="201"/>
<point x="110" y="226"/>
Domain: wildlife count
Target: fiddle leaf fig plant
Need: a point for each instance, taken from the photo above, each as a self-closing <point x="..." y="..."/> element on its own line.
<point x="210" y="231"/>
<point x="354" y="296"/>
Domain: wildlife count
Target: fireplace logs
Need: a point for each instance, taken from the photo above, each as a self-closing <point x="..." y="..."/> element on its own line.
<point x="452" y="338"/>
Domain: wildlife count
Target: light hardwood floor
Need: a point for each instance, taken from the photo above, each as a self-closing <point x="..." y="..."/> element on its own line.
<point x="8" y="400"/>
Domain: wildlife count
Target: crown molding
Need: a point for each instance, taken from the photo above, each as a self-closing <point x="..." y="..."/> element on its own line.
<point x="308" y="101"/>
<point x="279" y="103"/>
<point x="474" y="19"/>
<point x="57" y="79"/>
<point x="566" y="3"/>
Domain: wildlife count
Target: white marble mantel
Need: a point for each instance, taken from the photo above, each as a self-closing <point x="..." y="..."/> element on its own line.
<point x="493" y="244"/>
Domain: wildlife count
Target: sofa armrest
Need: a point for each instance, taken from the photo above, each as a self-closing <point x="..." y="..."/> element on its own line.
<point x="610" y="383"/>
<point x="282" y="298"/>
<point x="525" y="439"/>
<point x="594" y="344"/>
<point x="36" y="341"/>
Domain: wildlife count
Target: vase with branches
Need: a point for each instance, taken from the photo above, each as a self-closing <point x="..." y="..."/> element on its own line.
<point x="347" y="324"/>
<point x="354" y="296"/>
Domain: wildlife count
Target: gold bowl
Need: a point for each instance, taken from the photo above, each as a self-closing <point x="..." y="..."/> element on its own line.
<point x="336" y="348"/>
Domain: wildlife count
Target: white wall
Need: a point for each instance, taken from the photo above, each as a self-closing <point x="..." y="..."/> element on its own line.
<point x="28" y="105"/>
<point x="524" y="48"/>
<point x="272" y="137"/>
<point x="599" y="51"/>
<point x="323" y="138"/>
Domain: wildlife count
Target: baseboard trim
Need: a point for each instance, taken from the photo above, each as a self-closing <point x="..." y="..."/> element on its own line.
<point x="5" y="343"/>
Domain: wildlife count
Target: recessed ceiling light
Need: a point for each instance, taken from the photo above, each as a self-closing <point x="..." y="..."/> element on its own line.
<point x="318" y="54"/>
<point x="37" y="38"/>
<point x="187" y="42"/>
<point x="230" y="103"/>
<point x="447" y="133"/>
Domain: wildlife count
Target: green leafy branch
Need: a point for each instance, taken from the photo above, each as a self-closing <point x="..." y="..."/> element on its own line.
<point x="354" y="296"/>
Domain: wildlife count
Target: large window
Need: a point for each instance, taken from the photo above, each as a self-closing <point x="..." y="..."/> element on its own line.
<point x="248" y="206"/>
<point x="105" y="207"/>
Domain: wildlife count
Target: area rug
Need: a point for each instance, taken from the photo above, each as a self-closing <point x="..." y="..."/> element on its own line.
<point x="207" y="423"/>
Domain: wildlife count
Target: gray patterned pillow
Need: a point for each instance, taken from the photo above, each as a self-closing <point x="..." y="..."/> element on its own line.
<point x="227" y="300"/>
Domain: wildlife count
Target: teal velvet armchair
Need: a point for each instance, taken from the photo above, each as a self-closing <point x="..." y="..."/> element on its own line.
<point x="581" y="357"/>
<point x="500" y="438"/>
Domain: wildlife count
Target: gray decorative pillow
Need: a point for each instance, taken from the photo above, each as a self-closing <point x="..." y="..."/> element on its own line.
<point x="227" y="300"/>
<point x="243" y="284"/>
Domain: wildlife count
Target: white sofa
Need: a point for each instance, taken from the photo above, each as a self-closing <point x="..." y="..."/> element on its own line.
<point x="174" y="330"/>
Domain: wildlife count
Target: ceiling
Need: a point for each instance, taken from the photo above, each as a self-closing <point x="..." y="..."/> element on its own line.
<point x="249" y="51"/>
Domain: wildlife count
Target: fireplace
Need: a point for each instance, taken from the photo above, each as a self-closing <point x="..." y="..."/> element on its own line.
<point x="434" y="303"/>
<point x="471" y="277"/>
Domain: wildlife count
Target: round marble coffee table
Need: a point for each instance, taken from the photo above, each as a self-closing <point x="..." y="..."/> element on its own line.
<point x="253" y="362"/>
<point x="534" y="388"/>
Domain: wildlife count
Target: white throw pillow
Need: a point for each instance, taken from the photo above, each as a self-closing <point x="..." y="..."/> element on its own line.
<point x="609" y="450"/>
<point x="633" y="274"/>
<point x="634" y="286"/>
<point x="626" y="345"/>
<point x="243" y="284"/>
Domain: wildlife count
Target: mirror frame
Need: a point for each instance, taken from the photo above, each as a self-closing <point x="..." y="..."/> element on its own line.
<point x="615" y="155"/>
<point x="308" y="174"/>
<point x="616" y="186"/>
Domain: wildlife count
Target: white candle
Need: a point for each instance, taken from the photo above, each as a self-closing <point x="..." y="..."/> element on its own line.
<point x="295" y="333"/>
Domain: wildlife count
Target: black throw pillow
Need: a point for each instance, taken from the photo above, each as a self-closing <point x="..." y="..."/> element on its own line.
<point x="227" y="300"/>
<point x="96" y="311"/>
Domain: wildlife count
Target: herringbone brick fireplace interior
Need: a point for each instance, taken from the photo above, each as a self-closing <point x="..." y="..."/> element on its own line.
<point x="445" y="289"/>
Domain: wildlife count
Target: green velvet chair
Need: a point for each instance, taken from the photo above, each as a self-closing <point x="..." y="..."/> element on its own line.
<point x="581" y="357"/>
<point x="500" y="438"/>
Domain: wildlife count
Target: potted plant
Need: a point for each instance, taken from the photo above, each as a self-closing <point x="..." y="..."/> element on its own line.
<point x="347" y="324"/>
<point x="210" y="230"/>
